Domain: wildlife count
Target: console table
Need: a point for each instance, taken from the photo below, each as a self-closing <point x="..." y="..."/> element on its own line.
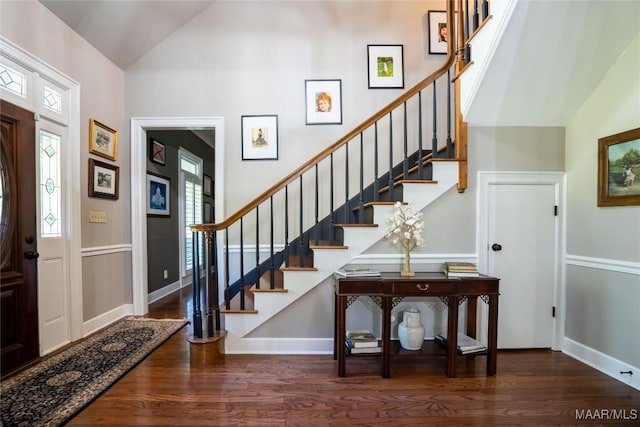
<point x="452" y="291"/>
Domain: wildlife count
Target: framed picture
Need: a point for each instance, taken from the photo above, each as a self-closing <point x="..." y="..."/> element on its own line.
<point x="103" y="180"/>
<point x="157" y="152"/>
<point x="103" y="141"/>
<point x="158" y="195"/>
<point x="207" y="185"/>
<point x="206" y="217"/>
<point x="323" y="99"/>
<point x="438" y="33"/>
<point x="386" y="66"/>
<point x="260" y="137"/>
<point x="619" y="169"/>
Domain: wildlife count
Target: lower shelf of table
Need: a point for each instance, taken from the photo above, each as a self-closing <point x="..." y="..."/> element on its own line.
<point x="430" y="348"/>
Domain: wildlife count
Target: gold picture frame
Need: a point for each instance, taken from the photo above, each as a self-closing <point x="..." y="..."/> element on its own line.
<point x="619" y="169"/>
<point x="103" y="141"/>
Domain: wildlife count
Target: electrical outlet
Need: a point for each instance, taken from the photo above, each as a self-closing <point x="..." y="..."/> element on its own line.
<point x="95" y="216"/>
<point x="166" y="274"/>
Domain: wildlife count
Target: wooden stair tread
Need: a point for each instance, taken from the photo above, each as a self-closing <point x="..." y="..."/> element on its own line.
<point x="355" y="225"/>
<point x="256" y="290"/>
<point x="230" y="311"/>
<point x="290" y="268"/>
<point x="328" y="247"/>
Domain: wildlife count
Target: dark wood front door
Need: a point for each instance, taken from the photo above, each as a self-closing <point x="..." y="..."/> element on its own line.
<point x="18" y="251"/>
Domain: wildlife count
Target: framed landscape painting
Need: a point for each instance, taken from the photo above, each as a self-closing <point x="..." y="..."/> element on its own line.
<point x="618" y="169"/>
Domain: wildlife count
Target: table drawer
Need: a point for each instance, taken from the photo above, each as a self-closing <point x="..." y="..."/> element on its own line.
<point x="422" y="288"/>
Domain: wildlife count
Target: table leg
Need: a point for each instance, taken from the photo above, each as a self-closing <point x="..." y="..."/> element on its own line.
<point x="386" y="337"/>
<point x="472" y="314"/>
<point x="452" y="336"/>
<point x="492" y="344"/>
<point x="341" y="310"/>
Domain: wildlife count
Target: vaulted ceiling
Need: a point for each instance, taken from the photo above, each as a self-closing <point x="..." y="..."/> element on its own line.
<point x="552" y="55"/>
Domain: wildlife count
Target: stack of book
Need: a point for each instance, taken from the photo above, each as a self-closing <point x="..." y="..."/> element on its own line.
<point x="466" y="344"/>
<point x="460" y="269"/>
<point x="362" y="341"/>
<point x="357" y="272"/>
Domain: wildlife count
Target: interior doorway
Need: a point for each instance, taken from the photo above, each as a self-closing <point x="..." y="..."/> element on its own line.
<point x="139" y="128"/>
<point x="521" y="241"/>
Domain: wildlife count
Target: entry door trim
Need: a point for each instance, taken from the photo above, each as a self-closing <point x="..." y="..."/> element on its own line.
<point x="559" y="181"/>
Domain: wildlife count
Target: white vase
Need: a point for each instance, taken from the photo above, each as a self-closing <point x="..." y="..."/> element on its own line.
<point x="410" y="330"/>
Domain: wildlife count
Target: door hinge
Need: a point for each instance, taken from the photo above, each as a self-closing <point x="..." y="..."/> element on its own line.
<point x="555" y="210"/>
<point x="553" y="312"/>
<point x="36" y="117"/>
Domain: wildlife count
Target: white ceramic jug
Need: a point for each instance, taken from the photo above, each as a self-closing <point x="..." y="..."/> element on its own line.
<point x="410" y="330"/>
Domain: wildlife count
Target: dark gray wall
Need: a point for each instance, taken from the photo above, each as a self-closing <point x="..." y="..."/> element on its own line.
<point x="163" y="244"/>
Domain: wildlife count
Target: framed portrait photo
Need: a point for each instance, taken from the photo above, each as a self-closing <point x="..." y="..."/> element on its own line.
<point x="438" y="33"/>
<point x="103" y="141"/>
<point x="386" y="66"/>
<point x="323" y="100"/>
<point x="103" y="180"/>
<point x="157" y="152"/>
<point x="260" y="137"/>
<point x="158" y="195"/>
<point x="619" y="169"/>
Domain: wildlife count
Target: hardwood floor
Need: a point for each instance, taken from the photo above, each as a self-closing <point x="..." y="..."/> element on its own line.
<point x="536" y="387"/>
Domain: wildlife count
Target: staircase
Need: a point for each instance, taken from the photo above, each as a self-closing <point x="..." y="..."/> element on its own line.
<point x="288" y="214"/>
<point x="296" y="282"/>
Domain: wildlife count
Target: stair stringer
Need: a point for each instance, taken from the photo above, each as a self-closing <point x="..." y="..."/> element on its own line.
<point x="326" y="260"/>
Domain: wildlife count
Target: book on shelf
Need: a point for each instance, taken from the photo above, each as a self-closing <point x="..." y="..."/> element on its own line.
<point x="460" y="269"/>
<point x="461" y="266"/>
<point x="357" y="272"/>
<point x="466" y="344"/>
<point x="361" y="338"/>
<point x="461" y="274"/>
<point x="363" y="350"/>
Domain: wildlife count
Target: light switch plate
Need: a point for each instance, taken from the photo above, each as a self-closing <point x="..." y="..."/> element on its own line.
<point x="95" y="216"/>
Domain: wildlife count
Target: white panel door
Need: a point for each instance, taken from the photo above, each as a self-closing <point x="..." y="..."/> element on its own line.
<point x="521" y="252"/>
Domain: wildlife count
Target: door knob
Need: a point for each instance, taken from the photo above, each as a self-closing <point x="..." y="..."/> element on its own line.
<point x="496" y="247"/>
<point x="31" y="255"/>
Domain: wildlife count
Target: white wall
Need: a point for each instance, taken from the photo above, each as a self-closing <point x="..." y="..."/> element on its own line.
<point x="253" y="57"/>
<point x="603" y="243"/>
<point x="35" y="29"/>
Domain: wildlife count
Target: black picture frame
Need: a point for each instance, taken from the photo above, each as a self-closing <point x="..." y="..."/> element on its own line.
<point x="103" y="180"/>
<point x="157" y="152"/>
<point x="158" y="195"/>
<point x="385" y="63"/>
<point x="259" y="135"/>
<point x="323" y="101"/>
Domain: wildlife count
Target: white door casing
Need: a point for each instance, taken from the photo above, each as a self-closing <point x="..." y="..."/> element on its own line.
<point x="59" y="264"/>
<point x="139" y="127"/>
<point x="516" y="210"/>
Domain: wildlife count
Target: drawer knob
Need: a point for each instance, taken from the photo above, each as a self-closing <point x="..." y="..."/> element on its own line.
<point x="422" y="287"/>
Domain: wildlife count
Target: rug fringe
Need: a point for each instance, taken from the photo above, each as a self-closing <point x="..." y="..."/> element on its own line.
<point x="184" y="319"/>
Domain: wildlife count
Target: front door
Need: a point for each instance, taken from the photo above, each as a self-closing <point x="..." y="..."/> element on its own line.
<point x="18" y="251"/>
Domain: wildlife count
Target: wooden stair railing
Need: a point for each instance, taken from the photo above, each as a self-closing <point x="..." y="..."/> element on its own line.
<point x="318" y="183"/>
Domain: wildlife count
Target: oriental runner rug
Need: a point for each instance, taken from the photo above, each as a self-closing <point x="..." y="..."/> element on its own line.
<point x="58" y="387"/>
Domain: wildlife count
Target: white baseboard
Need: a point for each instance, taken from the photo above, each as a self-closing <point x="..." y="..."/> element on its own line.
<point x="163" y="292"/>
<point x="282" y="346"/>
<point x="106" y="319"/>
<point x="603" y="363"/>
